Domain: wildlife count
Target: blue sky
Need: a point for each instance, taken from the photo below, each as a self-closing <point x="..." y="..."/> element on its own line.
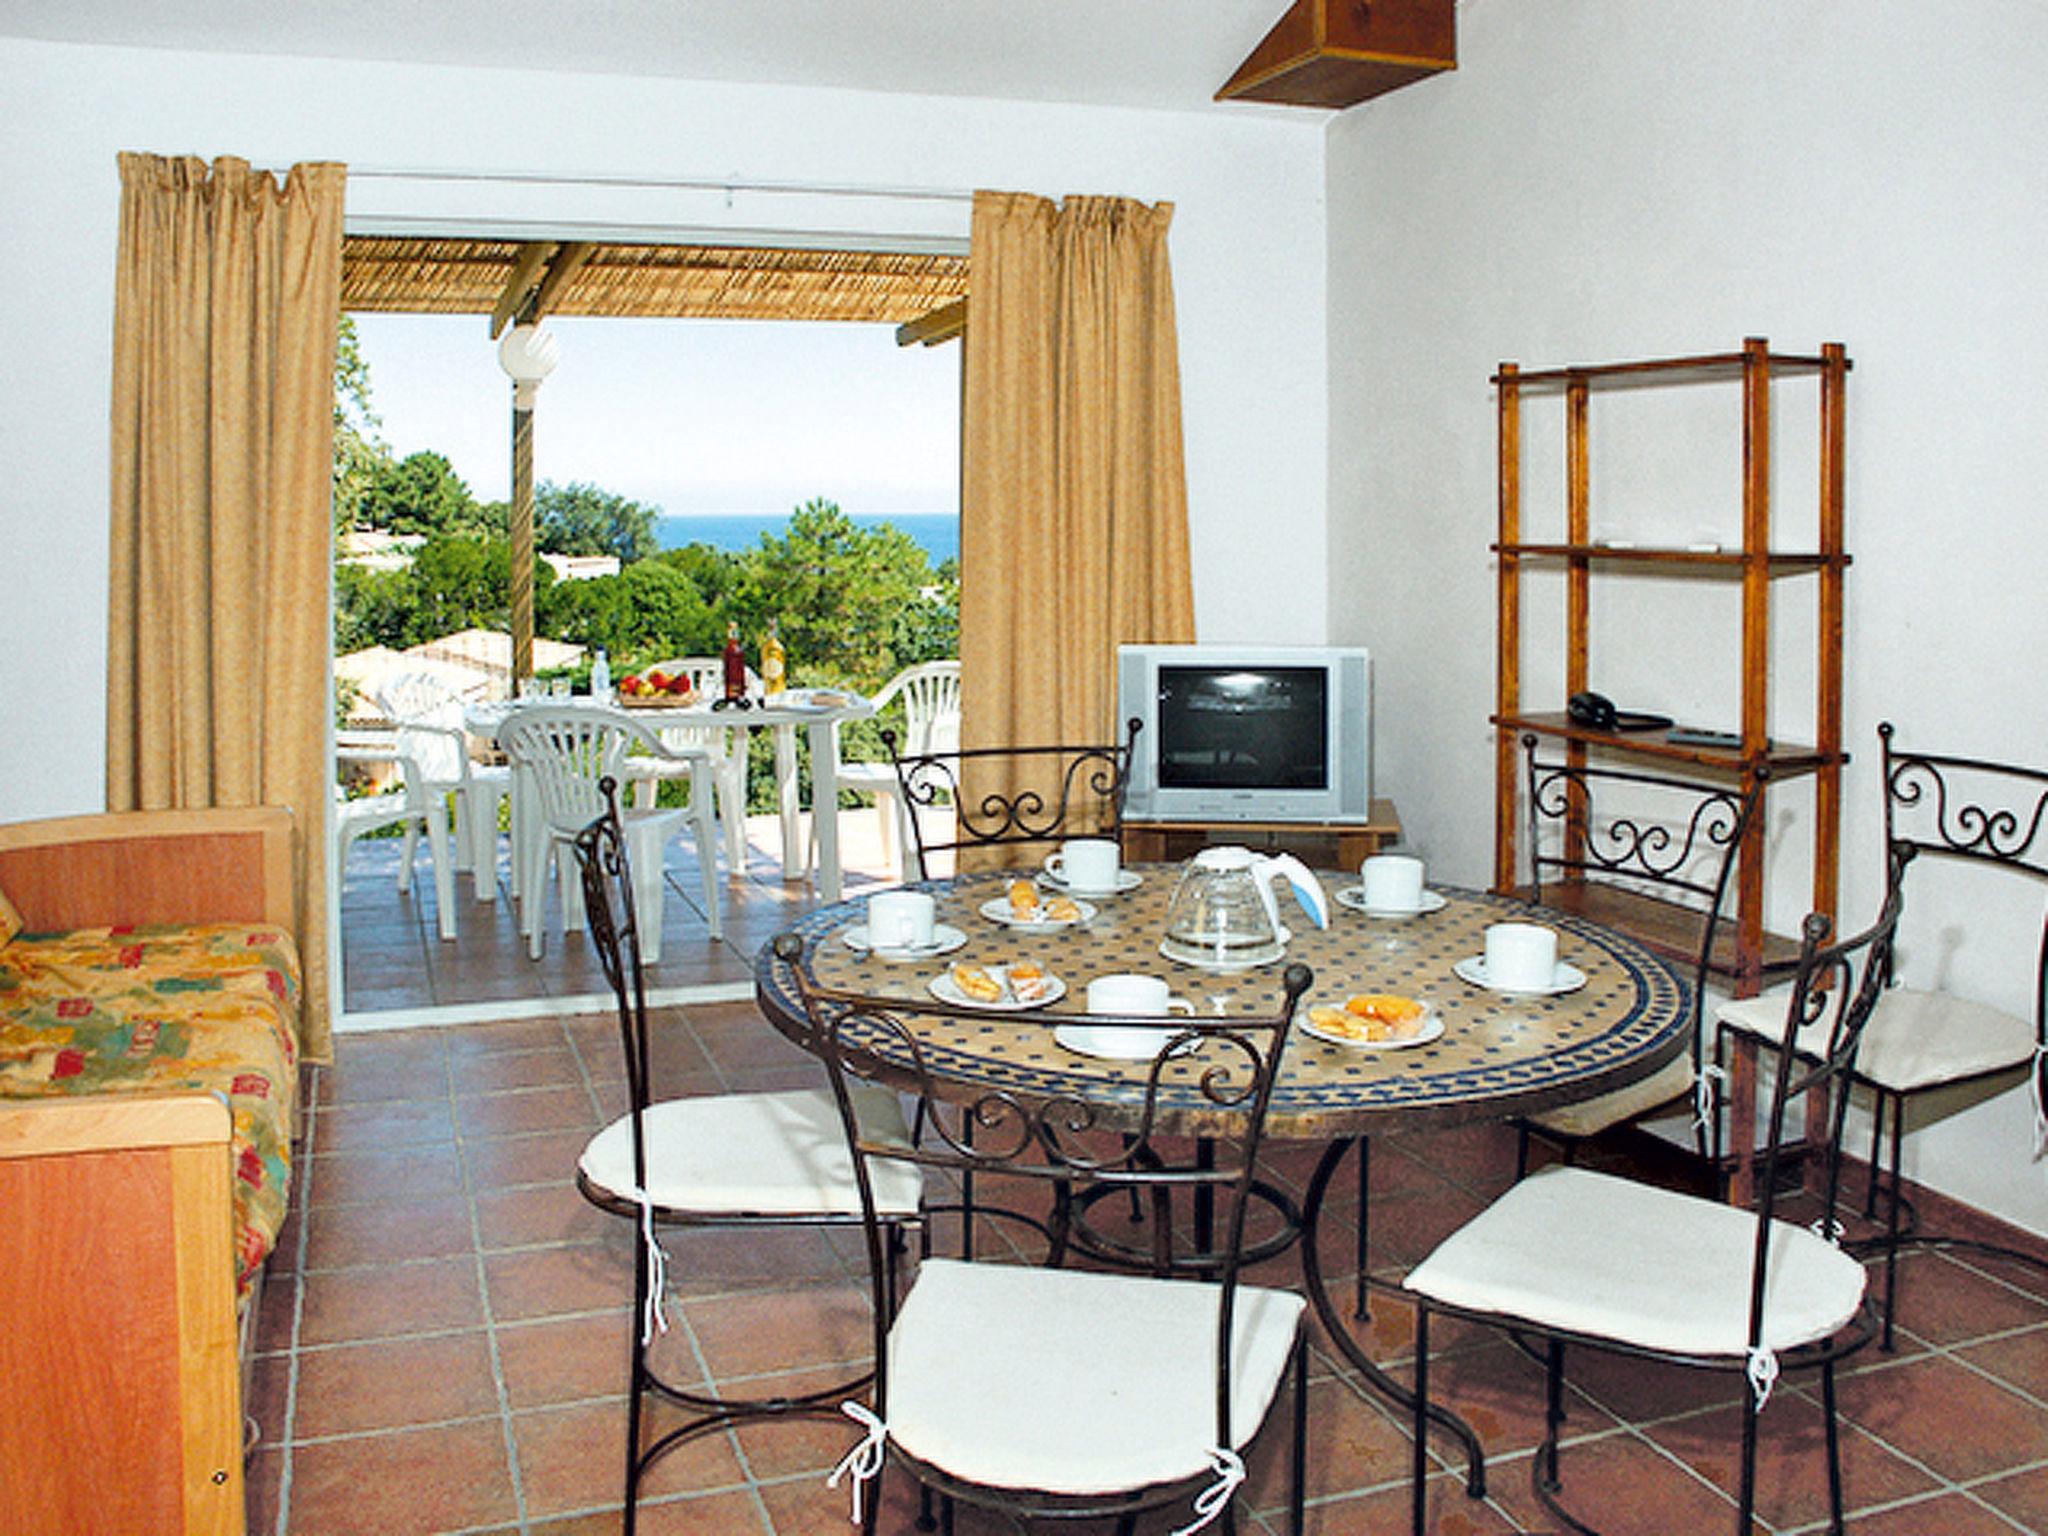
<point x="693" y="416"/>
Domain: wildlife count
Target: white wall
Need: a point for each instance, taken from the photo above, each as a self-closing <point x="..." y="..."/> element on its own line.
<point x="1605" y="179"/>
<point x="1248" y="250"/>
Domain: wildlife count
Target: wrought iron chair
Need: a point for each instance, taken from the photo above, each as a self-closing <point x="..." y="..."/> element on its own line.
<point x="712" y="1160"/>
<point x="562" y="753"/>
<point x="931" y="723"/>
<point x="1012" y="796"/>
<point x="1965" y="812"/>
<point x="1569" y="1256"/>
<point x="1623" y="835"/>
<point x="1058" y="1393"/>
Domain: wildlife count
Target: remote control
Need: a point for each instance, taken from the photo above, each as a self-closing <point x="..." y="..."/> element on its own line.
<point x="1685" y="736"/>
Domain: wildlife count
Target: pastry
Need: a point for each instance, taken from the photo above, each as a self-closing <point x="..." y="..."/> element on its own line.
<point x="976" y="983"/>
<point x="1061" y="909"/>
<point x="1028" y="983"/>
<point x="1023" y="900"/>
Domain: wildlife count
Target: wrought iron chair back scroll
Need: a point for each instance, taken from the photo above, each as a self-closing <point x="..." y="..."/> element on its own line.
<point x="747" y="1160"/>
<point x="1013" y="795"/>
<point x="1579" y="1258"/>
<point x="1673" y="840"/>
<point x="952" y="1396"/>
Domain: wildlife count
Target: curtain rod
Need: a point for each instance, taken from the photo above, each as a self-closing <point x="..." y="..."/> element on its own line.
<point x="666" y="184"/>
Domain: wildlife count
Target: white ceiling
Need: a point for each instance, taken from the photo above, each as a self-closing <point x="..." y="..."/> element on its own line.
<point x="1139" y="53"/>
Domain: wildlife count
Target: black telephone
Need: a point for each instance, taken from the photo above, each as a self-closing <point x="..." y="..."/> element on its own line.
<point x="1596" y="712"/>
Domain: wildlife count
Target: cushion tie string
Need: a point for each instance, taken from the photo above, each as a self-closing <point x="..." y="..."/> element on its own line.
<point x="2041" y="1098"/>
<point x="1763" y="1374"/>
<point x="1704" y="1095"/>
<point x="864" y="1461"/>
<point x="1211" y="1501"/>
<point x="652" y="1321"/>
<point x="1828" y="1228"/>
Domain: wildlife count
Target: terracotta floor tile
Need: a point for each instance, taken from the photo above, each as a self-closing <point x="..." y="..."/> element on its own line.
<point x="1450" y="1512"/>
<point x="749" y="1334"/>
<point x="573" y="1458"/>
<point x="383" y="1177"/>
<point x="2020" y="1360"/>
<point x="1621" y="1486"/>
<point x="277" y="1317"/>
<point x="268" y="1403"/>
<point x="1952" y="1514"/>
<point x="1351" y="1444"/>
<point x="369" y="1076"/>
<point x="778" y="1448"/>
<point x="550" y="1282"/>
<point x="2023" y="1496"/>
<point x="468" y="1041"/>
<point x="405" y="1483"/>
<point x="350" y="1388"/>
<point x="342" y="1305"/>
<point x="1941" y="1414"/>
<point x="525" y="1110"/>
<point x="713" y="1514"/>
<point x="262" y="1480"/>
<point x="564" y="1360"/>
<point x="391" y="1231"/>
<point x="533" y="1214"/>
<point x="1792" y="1487"/>
<point x="543" y="1067"/>
<point x="1944" y="1303"/>
<point x="500" y="1162"/>
<point x="383" y="1127"/>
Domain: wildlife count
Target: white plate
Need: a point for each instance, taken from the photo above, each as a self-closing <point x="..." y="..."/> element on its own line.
<point x="1000" y="911"/>
<point x="945" y="939"/>
<point x="1205" y="960"/>
<point x="1353" y="896"/>
<point x="1126" y="880"/>
<point x="1118" y="1042"/>
<point x="945" y="990"/>
<point x="1432" y="1026"/>
<point x="1566" y="978"/>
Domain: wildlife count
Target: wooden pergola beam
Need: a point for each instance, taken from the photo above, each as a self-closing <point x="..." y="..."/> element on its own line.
<point x="934" y="326"/>
<point x="526" y="271"/>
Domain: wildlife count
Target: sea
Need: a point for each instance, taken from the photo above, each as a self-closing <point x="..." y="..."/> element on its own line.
<point x="937" y="532"/>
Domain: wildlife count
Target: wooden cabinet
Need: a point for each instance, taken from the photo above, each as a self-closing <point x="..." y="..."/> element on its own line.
<point x="1754" y="561"/>
<point x="1341" y="845"/>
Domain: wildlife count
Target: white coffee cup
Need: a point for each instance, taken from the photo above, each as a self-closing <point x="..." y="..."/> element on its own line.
<point x="901" y="920"/>
<point x="1130" y="993"/>
<point x="1521" y="957"/>
<point x="1392" y="882"/>
<point x="1085" y="864"/>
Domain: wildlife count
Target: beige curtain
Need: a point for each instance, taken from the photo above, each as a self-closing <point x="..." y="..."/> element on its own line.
<point x="1074" y="528"/>
<point x="225" y="310"/>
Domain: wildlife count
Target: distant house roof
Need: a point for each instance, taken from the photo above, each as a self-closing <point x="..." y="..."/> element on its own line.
<point x="475" y="663"/>
<point x="581" y="567"/>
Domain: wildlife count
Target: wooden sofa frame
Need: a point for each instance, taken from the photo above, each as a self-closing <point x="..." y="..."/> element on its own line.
<point x="118" y="1338"/>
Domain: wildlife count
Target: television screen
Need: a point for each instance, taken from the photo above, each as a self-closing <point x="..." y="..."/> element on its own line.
<point x="1223" y="727"/>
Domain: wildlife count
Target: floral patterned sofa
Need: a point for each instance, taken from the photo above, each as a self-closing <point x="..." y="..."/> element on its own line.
<point x="149" y="1017"/>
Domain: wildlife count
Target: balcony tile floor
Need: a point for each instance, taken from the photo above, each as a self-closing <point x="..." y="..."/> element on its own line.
<point x="442" y="1340"/>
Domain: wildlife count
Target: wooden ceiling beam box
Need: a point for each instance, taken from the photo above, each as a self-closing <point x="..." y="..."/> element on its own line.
<point x="934" y="326"/>
<point x="1337" y="53"/>
<point x="568" y="261"/>
<point x="526" y="270"/>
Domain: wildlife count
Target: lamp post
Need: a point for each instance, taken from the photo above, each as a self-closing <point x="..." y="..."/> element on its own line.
<point x="527" y="354"/>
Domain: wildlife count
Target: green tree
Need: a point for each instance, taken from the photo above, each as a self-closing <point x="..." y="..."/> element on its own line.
<point x="358" y="451"/>
<point x="420" y="493"/>
<point x="649" y="611"/>
<point x="584" y="519"/>
<point x="837" y="589"/>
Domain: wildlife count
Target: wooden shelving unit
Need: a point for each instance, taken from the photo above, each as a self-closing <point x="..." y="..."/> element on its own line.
<point x="1753" y="563"/>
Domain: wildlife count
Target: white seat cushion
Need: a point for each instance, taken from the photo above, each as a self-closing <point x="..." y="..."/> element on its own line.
<point x="757" y="1154"/>
<point x="1592" y="1116"/>
<point x="1067" y="1381"/>
<point x="1914" y="1039"/>
<point x="1571" y="1249"/>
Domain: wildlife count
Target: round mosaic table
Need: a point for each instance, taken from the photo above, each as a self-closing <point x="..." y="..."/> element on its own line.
<point x="1499" y="1054"/>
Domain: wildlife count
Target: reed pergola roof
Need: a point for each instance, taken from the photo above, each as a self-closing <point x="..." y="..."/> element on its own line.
<point x="522" y="280"/>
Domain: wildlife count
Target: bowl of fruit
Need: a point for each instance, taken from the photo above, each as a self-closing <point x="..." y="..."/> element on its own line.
<point x="655" y="689"/>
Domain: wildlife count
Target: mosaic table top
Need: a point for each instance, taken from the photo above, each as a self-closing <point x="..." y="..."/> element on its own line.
<point x="1499" y="1054"/>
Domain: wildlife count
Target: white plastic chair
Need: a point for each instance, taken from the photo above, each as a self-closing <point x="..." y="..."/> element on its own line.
<point x="725" y="745"/>
<point x="563" y="753"/>
<point x="410" y="809"/>
<point x="931" y="707"/>
<point x="433" y="743"/>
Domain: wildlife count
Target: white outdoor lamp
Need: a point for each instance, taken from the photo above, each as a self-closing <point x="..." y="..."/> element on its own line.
<point x="527" y="354"/>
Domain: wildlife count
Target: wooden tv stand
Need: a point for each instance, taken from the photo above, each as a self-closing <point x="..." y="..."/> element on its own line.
<point x="1320" y="844"/>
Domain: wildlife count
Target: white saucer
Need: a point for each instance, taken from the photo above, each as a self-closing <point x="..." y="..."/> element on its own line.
<point x="1566" y="978"/>
<point x="945" y="939"/>
<point x="1205" y="960"/>
<point x="1353" y="896"/>
<point x="1126" y="880"/>
<point x="946" y="990"/>
<point x="1432" y="1026"/>
<point x="1118" y="1042"/>
<point x="1000" y="911"/>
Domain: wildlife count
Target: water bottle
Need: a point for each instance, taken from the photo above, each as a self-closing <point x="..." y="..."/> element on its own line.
<point x="601" y="677"/>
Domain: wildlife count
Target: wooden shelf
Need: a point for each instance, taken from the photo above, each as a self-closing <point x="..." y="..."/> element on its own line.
<point x="1664" y="928"/>
<point x="1321" y="844"/>
<point x="1704" y="368"/>
<point x="1786" y="760"/>
<point x="1701" y="561"/>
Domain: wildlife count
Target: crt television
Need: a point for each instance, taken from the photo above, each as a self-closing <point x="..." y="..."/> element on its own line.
<point x="1248" y="733"/>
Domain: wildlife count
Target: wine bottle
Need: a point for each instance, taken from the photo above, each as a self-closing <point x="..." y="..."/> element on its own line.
<point x="735" y="664"/>
<point x="774" y="661"/>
